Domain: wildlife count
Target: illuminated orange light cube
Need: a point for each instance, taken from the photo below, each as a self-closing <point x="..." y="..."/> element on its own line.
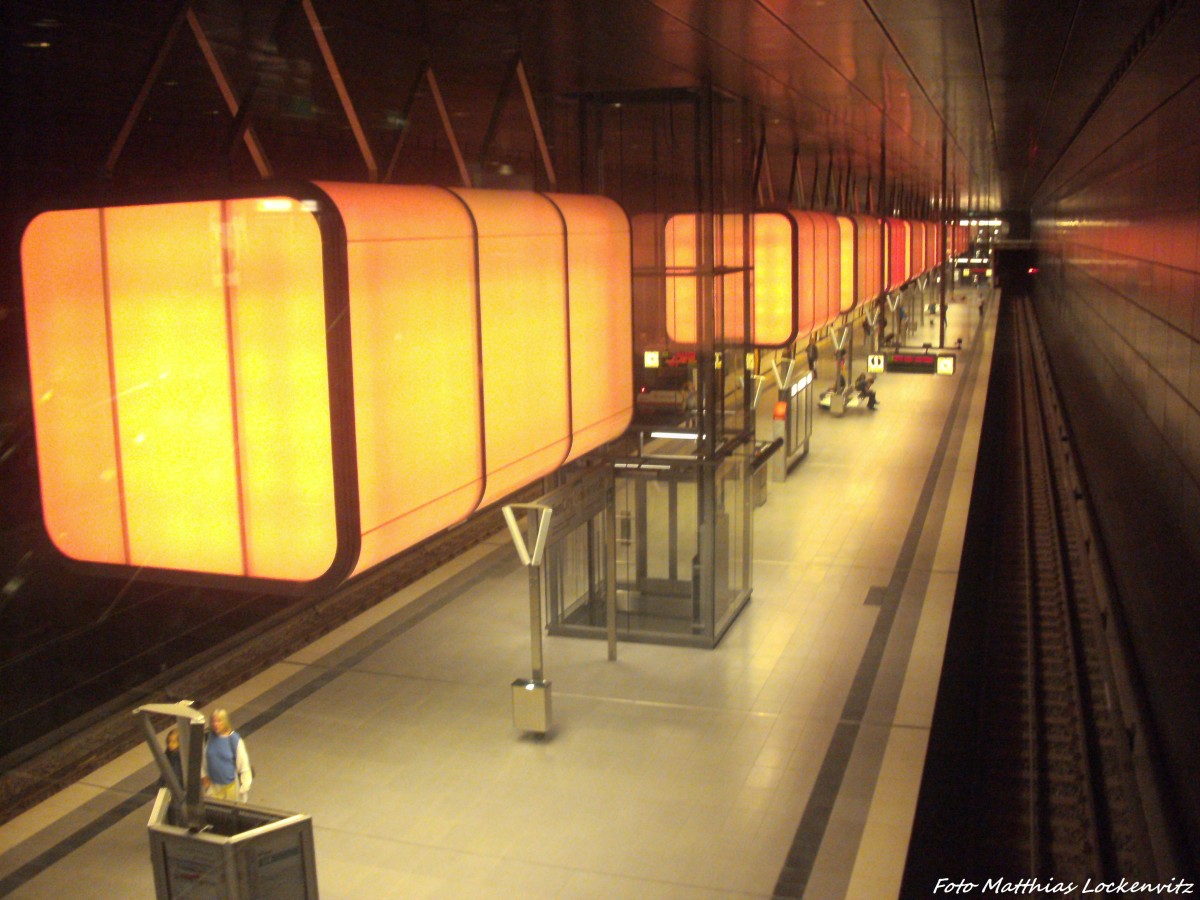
<point x="283" y="388"/>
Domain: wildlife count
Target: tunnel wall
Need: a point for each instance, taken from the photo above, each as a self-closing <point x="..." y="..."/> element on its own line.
<point x="1117" y="226"/>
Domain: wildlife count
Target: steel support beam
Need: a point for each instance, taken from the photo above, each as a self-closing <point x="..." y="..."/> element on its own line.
<point x="463" y="173"/>
<point x="231" y="102"/>
<point x="340" y="85"/>
<point x="536" y="122"/>
<point x="186" y="13"/>
<point x="160" y="60"/>
<point x="796" y="184"/>
<point x="405" y="119"/>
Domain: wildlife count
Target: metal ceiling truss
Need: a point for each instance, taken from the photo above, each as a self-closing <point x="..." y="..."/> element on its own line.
<point x="516" y="74"/>
<point x="426" y="74"/>
<point x="242" y="128"/>
<point x="339" y="85"/>
<point x="186" y="14"/>
<point x="764" y="187"/>
<point x="796" y="182"/>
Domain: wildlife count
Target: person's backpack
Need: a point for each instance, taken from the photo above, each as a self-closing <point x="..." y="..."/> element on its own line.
<point x="237" y="740"/>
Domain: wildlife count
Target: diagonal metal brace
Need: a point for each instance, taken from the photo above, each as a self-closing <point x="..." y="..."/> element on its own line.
<point x="190" y="722"/>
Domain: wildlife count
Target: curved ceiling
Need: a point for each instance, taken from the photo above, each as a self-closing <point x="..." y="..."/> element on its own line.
<point x="864" y="89"/>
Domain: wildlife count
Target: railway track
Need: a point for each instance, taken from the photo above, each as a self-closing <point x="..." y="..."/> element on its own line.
<point x="36" y="771"/>
<point x="1057" y="795"/>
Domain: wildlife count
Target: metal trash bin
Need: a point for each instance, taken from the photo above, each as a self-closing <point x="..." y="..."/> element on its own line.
<point x="241" y="852"/>
<point x="837" y="404"/>
<point x="531" y="705"/>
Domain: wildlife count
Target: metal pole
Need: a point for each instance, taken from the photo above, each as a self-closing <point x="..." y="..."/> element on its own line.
<point x="709" y="420"/>
<point x="673" y="529"/>
<point x="535" y="599"/>
<point x="849" y="330"/>
<point x="946" y="269"/>
<point x="610" y="567"/>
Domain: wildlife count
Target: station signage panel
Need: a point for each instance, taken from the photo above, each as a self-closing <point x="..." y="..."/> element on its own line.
<point x="667" y="359"/>
<point x="875" y="363"/>
<point x="922" y="363"/>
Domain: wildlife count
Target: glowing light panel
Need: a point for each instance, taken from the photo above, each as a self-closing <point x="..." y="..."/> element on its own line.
<point x="417" y="403"/>
<point x="869" y="253"/>
<point x="846" y="248"/>
<point x="188" y="407"/>
<point x="899" y="258"/>
<point x="774" y="280"/>
<point x="601" y="307"/>
<point x="286" y="390"/>
<point x="72" y="394"/>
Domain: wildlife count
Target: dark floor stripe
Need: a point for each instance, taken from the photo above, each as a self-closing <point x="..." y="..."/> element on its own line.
<point x="44" y="860"/>
<point x="793" y="880"/>
<point x="381" y="635"/>
<point x="875" y="596"/>
<point x="359" y="649"/>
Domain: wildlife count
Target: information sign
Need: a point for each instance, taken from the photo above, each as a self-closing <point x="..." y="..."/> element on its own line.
<point x="920" y="363"/>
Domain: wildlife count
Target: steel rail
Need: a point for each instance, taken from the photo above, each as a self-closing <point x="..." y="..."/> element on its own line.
<point x="1069" y="832"/>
